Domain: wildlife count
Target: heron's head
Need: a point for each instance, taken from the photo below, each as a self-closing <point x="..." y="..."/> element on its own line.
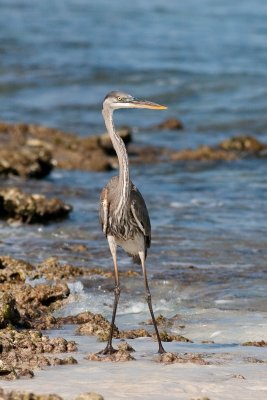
<point x="115" y="100"/>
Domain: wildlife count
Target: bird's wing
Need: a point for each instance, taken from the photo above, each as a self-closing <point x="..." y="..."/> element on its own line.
<point x="140" y="214"/>
<point x="104" y="210"/>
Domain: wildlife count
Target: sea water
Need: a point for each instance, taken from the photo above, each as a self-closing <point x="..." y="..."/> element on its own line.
<point x="207" y="62"/>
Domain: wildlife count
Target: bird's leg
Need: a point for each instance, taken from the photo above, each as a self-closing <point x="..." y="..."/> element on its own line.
<point x="113" y="249"/>
<point x="149" y="302"/>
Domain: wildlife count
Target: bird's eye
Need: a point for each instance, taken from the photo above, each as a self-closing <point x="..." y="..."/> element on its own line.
<point x="119" y="98"/>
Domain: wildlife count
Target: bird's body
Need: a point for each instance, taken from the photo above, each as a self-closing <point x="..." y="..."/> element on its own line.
<point x="129" y="225"/>
<point x="123" y="212"/>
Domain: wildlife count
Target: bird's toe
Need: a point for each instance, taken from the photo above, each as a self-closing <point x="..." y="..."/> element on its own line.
<point x="108" y="351"/>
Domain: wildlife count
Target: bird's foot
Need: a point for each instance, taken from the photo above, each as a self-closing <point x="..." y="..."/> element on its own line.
<point x="161" y="350"/>
<point x="108" y="350"/>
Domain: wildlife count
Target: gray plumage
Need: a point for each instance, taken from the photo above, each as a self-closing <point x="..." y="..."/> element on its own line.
<point x="123" y="213"/>
<point x="132" y="220"/>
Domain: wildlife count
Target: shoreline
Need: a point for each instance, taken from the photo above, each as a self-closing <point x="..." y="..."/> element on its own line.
<point x="236" y="363"/>
<point x="31" y="293"/>
<point x="227" y="377"/>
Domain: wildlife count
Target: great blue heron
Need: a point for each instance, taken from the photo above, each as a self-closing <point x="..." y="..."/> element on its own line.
<point x="123" y="213"/>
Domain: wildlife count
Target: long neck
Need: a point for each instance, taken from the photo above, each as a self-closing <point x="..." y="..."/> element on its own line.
<point x="119" y="146"/>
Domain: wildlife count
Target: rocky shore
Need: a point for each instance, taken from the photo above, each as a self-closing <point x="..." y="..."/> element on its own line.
<point x="31" y="293"/>
<point x="27" y="307"/>
<point x="20" y="395"/>
<point x="26" y="311"/>
<point x="16" y="205"/>
<point x="32" y="151"/>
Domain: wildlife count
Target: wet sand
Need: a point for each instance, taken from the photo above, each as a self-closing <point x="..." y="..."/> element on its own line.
<point x="212" y="363"/>
<point x="233" y="372"/>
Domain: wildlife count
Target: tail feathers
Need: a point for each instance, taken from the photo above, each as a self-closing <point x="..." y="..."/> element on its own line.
<point x="136" y="258"/>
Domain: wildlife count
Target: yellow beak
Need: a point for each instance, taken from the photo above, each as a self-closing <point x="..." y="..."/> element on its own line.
<point x="146" y="104"/>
